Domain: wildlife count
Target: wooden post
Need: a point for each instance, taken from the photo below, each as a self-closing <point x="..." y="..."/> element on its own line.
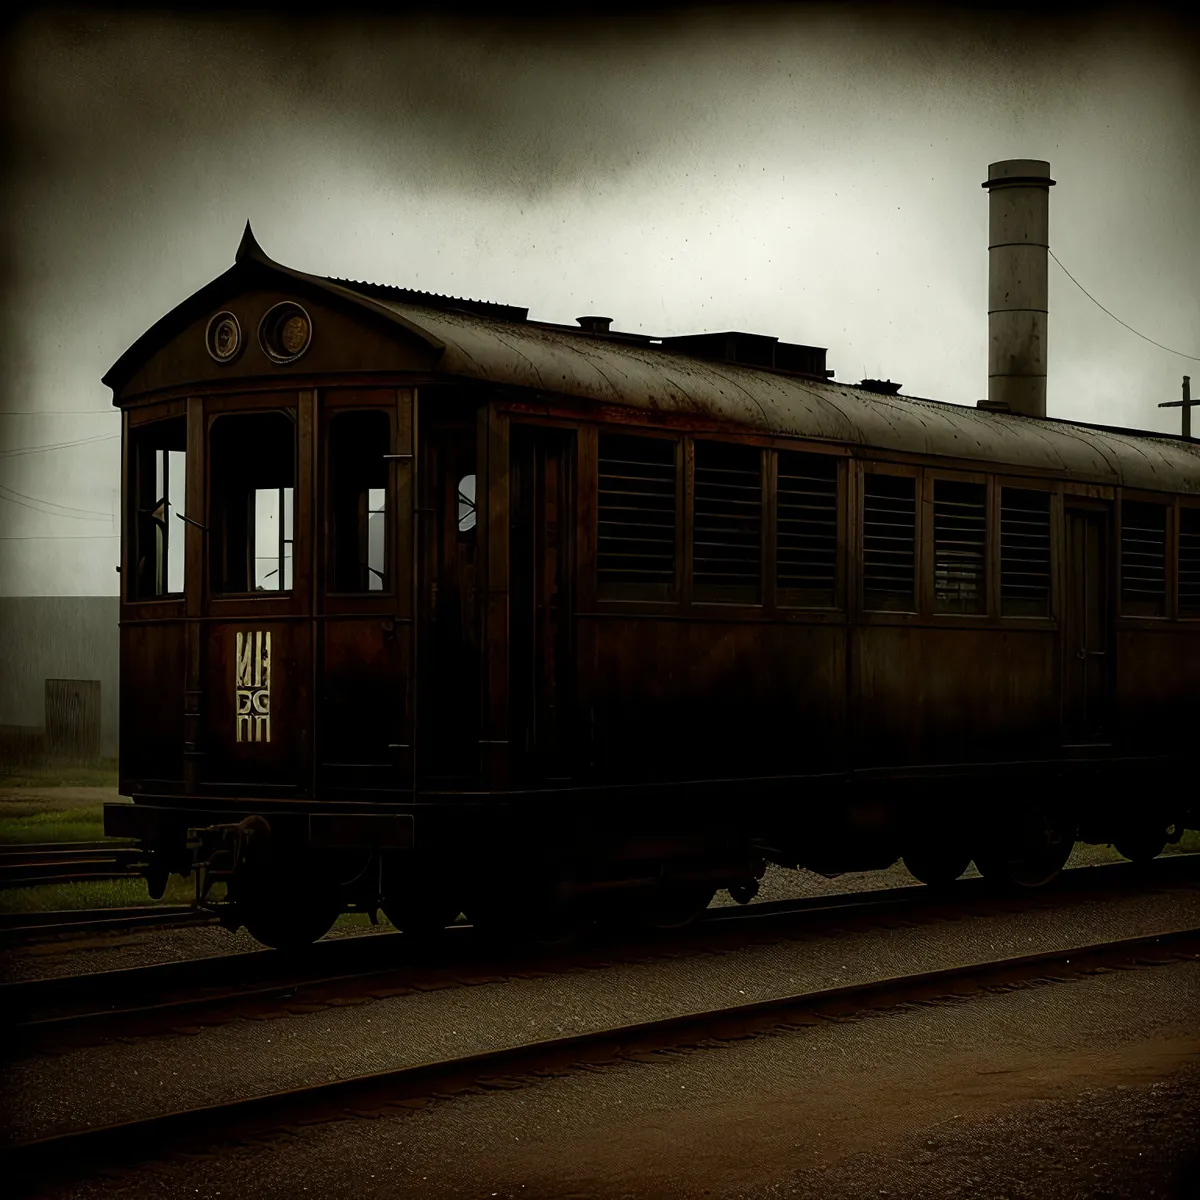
<point x="1187" y="404"/>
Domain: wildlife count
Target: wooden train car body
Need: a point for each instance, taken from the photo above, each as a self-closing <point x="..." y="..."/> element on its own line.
<point x="429" y="589"/>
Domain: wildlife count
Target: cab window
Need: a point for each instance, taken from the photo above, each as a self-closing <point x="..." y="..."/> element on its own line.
<point x="158" y="470"/>
<point x="252" y="478"/>
<point x="358" y="508"/>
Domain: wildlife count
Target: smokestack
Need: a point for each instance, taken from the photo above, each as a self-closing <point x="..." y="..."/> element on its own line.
<point x="1018" y="241"/>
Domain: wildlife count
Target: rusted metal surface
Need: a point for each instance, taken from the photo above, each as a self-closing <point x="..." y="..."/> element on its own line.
<point x="644" y="378"/>
<point x="1018" y="242"/>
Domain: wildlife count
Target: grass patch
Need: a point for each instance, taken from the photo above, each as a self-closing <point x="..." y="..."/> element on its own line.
<point x="99" y="893"/>
<point x="21" y="824"/>
<point x="1188" y="844"/>
<point x="59" y="775"/>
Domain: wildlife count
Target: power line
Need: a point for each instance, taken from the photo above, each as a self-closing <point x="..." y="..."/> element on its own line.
<point x="1118" y="320"/>
<point x="64" y="510"/>
<point x="103" y="437"/>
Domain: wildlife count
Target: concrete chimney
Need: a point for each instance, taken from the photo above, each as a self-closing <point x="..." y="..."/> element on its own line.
<point x="1018" y="241"/>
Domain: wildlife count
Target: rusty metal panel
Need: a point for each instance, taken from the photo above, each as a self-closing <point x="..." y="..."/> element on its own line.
<point x="946" y="695"/>
<point x="712" y="698"/>
<point x="1156" y="686"/>
<point x="653" y="380"/>
<point x="152" y="701"/>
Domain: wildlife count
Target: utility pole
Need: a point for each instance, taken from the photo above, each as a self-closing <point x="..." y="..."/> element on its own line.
<point x="1187" y="404"/>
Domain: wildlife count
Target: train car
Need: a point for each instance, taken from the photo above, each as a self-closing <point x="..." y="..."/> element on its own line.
<point x="432" y="607"/>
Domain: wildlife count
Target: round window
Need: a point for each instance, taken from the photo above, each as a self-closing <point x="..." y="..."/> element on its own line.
<point x="223" y="337"/>
<point x="285" y="332"/>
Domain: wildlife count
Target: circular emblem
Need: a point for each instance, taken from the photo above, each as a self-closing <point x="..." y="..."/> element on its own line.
<point x="223" y="337"/>
<point x="285" y="332"/>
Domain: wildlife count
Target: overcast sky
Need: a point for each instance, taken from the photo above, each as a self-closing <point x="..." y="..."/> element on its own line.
<point x="805" y="173"/>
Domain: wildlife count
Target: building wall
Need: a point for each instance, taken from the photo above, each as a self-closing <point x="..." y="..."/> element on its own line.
<point x="58" y="637"/>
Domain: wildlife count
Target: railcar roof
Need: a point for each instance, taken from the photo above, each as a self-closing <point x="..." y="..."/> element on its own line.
<point x="509" y="351"/>
<point x="527" y="356"/>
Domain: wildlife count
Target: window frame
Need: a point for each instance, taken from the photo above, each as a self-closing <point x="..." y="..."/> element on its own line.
<point x="759" y="601"/>
<point x="606" y="593"/>
<point x="137" y="421"/>
<point x="1191" y="503"/>
<point x="332" y="409"/>
<point x="133" y="421"/>
<point x="928" y="586"/>
<point x="920" y="608"/>
<point x="291" y="407"/>
<point x="1168" y="503"/>
<point x="1054" y="491"/>
<point x="786" y="599"/>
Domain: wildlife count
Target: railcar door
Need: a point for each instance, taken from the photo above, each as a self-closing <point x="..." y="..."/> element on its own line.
<point x="364" y="594"/>
<point x="541" y="613"/>
<point x="449" y="708"/>
<point x="1087" y="667"/>
<point x="256" y="648"/>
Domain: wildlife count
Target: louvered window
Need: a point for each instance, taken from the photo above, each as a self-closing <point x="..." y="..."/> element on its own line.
<point x="727" y="522"/>
<point x="1143" y="559"/>
<point x="635" y="543"/>
<point x="1024" y="553"/>
<point x="889" y="543"/>
<point x="806" y="528"/>
<point x="1189" y="562"/>
<point x="959" y="547"/>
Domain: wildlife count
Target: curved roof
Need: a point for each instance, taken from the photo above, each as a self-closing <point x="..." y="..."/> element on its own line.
<point x="514" y="353"/>
<point x="578" y="365"/>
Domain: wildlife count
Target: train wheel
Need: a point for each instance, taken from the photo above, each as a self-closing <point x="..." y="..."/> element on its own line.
<point x="1042" y="851"/>
<point x="421" y="903"/>
<point x="285" y="920"/>
<point x="936" y="866"/>
<point x="1141" y="845"/>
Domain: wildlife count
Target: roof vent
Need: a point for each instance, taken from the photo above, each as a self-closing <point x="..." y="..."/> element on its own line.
<point x="993" y="405"/>
<point x="885" y="387"/>
<point x="594" y="324"/>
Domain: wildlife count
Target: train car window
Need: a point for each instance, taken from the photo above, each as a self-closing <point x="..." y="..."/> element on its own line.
<point x="1143" y="559"/>
<point x="1189" y="562"/>
<point x="636" y="516"/>
<point x="959" y="547"/>
<point x="889" y="549"/>
<point x="1024" y="552"/>
<point x="358" y="509"/>
<point x="252" y="476"/>
<point x="806" y="529"/>
<point x="727" y="523"/>
<point x="466" y="504"/>
<point x="158" y="473"/>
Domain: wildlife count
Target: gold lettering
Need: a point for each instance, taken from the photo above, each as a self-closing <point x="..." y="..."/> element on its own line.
<point x="242" y="670"/>
<point x="252" y="686"/>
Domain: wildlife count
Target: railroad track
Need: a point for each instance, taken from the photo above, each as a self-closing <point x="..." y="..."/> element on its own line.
<point x="140" y="1000"/>
<point x="67" y="862"/>
<point x="22" y="925"/>
<point x="72" y="1153"/>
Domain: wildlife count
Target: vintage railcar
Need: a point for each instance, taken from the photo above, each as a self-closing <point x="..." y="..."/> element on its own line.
<point x="430" y="606"/>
